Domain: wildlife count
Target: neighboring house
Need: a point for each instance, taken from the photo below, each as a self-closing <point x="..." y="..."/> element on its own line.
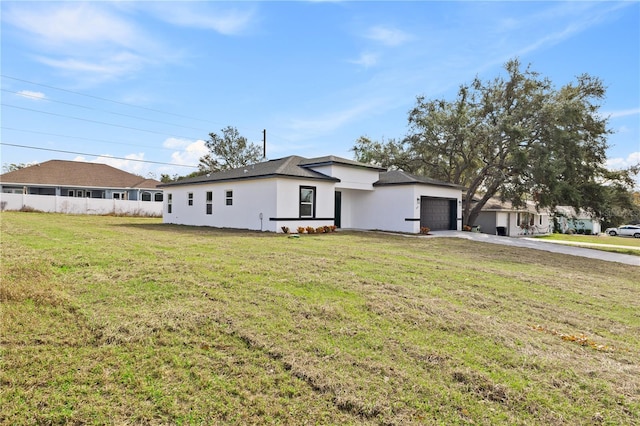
<point x="581" y="222"/>
<point x="78" y="179"/>
<point x="501" y="218"/>
<point x="296" y="191"/>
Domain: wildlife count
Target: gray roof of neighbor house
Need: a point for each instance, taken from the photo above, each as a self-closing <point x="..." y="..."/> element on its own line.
<point x="398" y="177"/>
<point x="77" y="174"/>
<point x="287" y="167"/>
<point x="494" y="204"/>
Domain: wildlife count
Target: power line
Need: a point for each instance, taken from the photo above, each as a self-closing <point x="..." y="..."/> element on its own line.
<point x="96" y="155"/>
<point x="83" y="138"/>
<point x="128" y="104"/>
<point x="102" y="99"/>
<point x="98" y="109"/>
<point x="97" y="122"/>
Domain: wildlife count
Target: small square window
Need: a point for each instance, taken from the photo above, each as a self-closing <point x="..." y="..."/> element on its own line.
<point x="229" y="198"/>
<point x="190" y="198"/>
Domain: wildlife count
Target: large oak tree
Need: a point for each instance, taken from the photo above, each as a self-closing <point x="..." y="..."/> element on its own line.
<point x="515" y="137"/>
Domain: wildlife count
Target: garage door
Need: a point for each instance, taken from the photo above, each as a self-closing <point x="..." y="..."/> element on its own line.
<point x="435" y="213"/>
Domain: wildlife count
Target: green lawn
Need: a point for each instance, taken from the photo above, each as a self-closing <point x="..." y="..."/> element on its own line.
<point x="599" y="242"/>
<point x="125" y="320"/>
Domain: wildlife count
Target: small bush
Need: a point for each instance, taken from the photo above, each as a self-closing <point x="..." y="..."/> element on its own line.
<point x="466" y="228"/>
<point x="588" y="232"/>
<point x="333" y="228"/>
<point x="320" y="229"/>
<point x="301" y="229"/>
<point x="285" y="229"/>
<point x="571" y="231"/>
<point x="311" y="230"/>
<point x="580" y="231"/>
<point x="425" y="230"/>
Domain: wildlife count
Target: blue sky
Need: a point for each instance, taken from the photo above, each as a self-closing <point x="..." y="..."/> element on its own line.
<point x="123" y="81"/>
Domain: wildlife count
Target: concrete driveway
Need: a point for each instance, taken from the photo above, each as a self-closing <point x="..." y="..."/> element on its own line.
<point x="532" y="243"/>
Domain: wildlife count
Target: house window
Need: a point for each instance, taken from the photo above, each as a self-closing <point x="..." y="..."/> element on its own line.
<point x="307" y="201"/>
<point x="146" y="196"/>
<point x="228" y="198"/>
<point x="540" y="220"/>
<point x="79" y="193"/>
<point x="118" y="195"/>
<point x="190" y="198"/>
<point x="169" y="200"/>
<point x="209" y="202"/>
<point x="158" y="196"/>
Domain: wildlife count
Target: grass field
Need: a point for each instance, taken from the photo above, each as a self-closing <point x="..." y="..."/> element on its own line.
<point x="109" y="320"/>
<point x="623" y="245"/>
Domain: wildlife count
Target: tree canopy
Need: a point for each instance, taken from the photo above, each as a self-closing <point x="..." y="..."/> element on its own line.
<point x="228" y="151"/>
<point x="515" y="137"/>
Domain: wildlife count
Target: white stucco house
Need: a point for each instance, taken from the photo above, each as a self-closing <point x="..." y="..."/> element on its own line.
<point x="295" y="191"/>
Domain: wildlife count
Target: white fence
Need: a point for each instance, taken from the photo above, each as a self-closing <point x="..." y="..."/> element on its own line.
<point x="70" y="205"/>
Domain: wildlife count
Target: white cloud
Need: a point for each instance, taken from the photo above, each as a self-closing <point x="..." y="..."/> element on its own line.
<point x="622" y="162"/>
<point x="334" y="120"/>
<point x="366" y="60"/>
<point x="37" y="96"/>
<point x="126" y="163"/>
<point x="114" y="66"/>
<point x="91" y="41"/>
<point x="622" y="113"/>
<point x="387" y="36"/>
<point x="189" y="153"/>
<point x="204" y="15"/>
<point x="73" y="23"/>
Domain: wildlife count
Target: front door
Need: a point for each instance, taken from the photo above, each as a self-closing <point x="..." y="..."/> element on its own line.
<point x="337" y="209"/>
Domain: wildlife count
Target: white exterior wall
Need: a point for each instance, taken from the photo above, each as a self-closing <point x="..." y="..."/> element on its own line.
<point x="540" y="228"/>
<point x="350" y="177"/>
<point x="250" y="198"/>
<point x="288" y="211"/>
<point x="277" y="200"/>
<point x="72" y="205"/>
<point x="388" y="207"/>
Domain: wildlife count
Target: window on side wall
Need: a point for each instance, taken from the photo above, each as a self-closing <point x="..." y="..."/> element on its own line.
<point x="209" y="202"/>
<point x="190" y="198"/>
<point x="307" y="201"/>
<point x="228" y="198"/>
<point x="169" y="202"/>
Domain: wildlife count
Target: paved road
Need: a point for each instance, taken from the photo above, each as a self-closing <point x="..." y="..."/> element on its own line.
<point x="532" y="243"/>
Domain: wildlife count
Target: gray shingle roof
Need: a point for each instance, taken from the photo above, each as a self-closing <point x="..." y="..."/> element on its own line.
<point x="76" y="173"/>
<point x="398" y="177"/>
<point x="332" y="159"/>
<point x="282" y="167"/>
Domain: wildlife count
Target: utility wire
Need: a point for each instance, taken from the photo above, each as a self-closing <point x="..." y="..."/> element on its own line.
<point x="83" y="138"/>
<point x="98" y="109"/>
<point x="96" y="155"/>
<point x="98" y="122"/>
<point x="102" y="99"/>
<point x="125" y="104"/>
